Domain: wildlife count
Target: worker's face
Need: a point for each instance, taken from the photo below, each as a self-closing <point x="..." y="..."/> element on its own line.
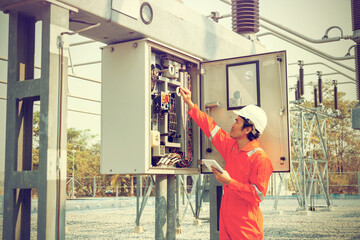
<point x="236" y="131"/>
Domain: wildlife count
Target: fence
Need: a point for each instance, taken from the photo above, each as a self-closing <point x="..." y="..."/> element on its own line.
<point x="125" y="185"/>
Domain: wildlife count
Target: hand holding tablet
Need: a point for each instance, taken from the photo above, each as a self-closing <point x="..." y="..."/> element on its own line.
<point x="210" y="162"/>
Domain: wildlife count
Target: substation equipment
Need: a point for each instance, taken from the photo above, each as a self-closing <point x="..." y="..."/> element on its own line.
<point x="151" y="133"/>
<point x="154" y="47"/>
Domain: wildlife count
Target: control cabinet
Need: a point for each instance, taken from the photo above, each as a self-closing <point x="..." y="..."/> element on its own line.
<point x="145" y="128"/>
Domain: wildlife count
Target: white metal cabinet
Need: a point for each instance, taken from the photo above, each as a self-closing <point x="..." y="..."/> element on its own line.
<point x="256" y="79"/>
<point x="130" y="131"/>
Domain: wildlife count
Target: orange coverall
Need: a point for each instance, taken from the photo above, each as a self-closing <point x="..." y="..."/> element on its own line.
<point x="250" y="169"/>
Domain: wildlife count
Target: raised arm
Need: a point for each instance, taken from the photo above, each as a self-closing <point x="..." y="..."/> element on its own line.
<point x="219" y="138"/>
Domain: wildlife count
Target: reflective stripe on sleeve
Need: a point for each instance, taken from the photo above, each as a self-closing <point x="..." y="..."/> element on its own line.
<point x="213" y="132"/>
<point x="253" y="151"/>
<point x="260" y="194"/>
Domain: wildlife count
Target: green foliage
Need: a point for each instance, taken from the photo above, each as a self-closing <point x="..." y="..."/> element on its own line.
<point x="342" y="180"/>
<point x="83" y="157"/>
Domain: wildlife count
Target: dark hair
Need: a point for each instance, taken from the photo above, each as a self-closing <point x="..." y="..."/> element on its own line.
<point x="254" y="134"/>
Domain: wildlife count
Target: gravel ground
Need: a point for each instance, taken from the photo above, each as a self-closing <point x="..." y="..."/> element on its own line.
<point x="342" y="221"/>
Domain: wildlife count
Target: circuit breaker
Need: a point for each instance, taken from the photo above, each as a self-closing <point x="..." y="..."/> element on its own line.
<point x="145" y="128"/>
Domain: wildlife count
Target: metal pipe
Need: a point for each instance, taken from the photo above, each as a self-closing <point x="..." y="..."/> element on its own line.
<point x="84" y="78"/>
<point x="84" y="64"/>
<point x="81" y="43"/>
<point x="138" y="179"/>
<point x="308" y="48"/>
<point x="171" y="210"/>
<point x="78" y="111"/>
<point x="69" y="75"/>
<point x="160" y="207"/>
<point x="178" y="183"/>
<point x="73" y="174"/>
<point x="345" y="83"/>
<point x="311" y="74"/>
<point x="208" y="108"/>
<point x="348" y="52"/>
<point x="324" y="40"/>
<point x="82" y="98"/>
<point x="320" y="63"/>
<point x="81" y="30"/>
<point x="226" y="1"/>
<point x="330" y="28"/>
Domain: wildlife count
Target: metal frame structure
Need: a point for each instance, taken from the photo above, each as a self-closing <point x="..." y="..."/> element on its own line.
<point x="199" y="190"/>
<point x="309" y="169"/>
<point x="22" y="91"/>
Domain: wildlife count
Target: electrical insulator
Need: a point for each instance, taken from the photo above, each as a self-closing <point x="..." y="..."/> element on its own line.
<point x="355" y="13"/>
<point x="301" y="76"/>
<point x="245" y="16"/>
<point x="320" y="89"/>
<point x="315" y="97"/>
<point x="335" y="96"/>
<point x="298" y="89"/>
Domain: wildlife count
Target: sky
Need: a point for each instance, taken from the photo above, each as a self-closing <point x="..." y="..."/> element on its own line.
<point x="308" y="17"/>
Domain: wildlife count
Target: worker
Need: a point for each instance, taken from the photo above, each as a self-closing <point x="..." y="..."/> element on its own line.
<point x="247" y="169"/>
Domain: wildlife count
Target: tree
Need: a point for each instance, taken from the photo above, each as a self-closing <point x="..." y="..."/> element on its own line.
<point x="86" y="159"/>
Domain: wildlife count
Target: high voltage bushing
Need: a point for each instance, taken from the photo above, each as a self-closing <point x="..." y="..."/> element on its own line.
<point x="301" y="79"/>
<point x="335" y="95"/>
<point x="297" y="91"/>
<point x="245" y="16"/>
<point x="315" y="97"/>
<point x="355" y="13"/>
<point x="320" y="86"/>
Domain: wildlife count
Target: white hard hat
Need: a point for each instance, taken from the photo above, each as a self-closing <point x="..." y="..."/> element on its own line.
<point x="255" y="114"/>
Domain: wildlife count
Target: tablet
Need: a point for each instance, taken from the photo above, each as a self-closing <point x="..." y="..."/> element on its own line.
<point x="210" y="162"/>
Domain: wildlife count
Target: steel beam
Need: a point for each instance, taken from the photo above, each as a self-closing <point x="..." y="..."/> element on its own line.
<point x="18" y="156"/>
<point x="22" y="91"/>
<point x="308" y="169"/>
<point x="171" y="209"/>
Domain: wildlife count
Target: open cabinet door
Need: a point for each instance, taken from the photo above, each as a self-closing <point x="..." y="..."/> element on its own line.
<point x="231" y="84"/>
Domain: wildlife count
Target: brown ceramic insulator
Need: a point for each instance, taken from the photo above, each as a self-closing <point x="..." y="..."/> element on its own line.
<point x="355" y="13"/>
<point x="245" y="16"/>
